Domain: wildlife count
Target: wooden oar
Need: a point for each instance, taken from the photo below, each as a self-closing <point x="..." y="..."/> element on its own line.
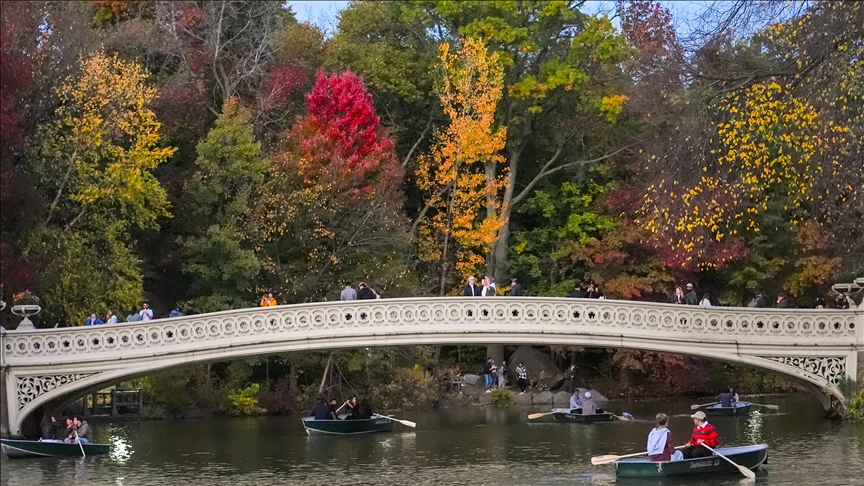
<point x="406" y="423"/>
<point x="598" y="460"/>
<point x="626" y="417"/>
<point x="78" y="440"/>
<point x="538" y="415"/>
<point x="694" y="407"/>
<point x="746" y="472"/>
<point x="769" y="407"/>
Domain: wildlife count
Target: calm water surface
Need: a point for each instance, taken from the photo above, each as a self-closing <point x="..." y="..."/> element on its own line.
<point x="476" y="446"/>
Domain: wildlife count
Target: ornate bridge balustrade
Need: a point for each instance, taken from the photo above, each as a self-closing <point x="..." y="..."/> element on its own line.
<point x="817" y="346"/>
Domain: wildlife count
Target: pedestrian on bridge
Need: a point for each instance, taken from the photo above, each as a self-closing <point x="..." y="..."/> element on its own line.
<point x="146" y="313"/>
<point x="515" y="288"/>
<point x="691" y="298"/>
<point x="348" y="293"/>
<point x="267" y="300"/>
<point x="471" y="289"/>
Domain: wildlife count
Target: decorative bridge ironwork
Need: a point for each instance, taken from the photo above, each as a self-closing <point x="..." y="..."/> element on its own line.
<point x="819" y="347"/>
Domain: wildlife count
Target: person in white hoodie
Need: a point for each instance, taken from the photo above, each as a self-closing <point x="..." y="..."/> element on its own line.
<point x="661" y="447"/>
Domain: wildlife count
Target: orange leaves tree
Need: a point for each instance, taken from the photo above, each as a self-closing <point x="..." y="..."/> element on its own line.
<point x="459" y="176"/>
<point x="331" y="210"/>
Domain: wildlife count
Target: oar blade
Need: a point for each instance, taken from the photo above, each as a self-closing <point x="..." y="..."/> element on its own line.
<point x="536" y="416"/>
<point x="599" y="460"/>
<point x="747" y="473"/>
<point x="408" y="423"/>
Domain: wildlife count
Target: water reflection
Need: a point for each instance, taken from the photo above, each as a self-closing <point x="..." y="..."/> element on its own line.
<point x="121" y="451"/>
<point x="477" y="446"/>
<point x="754" y="427"/>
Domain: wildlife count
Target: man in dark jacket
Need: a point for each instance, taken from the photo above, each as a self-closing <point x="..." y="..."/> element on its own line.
<point x="322" y="411"/>
<point x="782" y="302"/>
<point x="761" y="301"/>
<point x="516" y="288"/>
<point x="691" y="298"/>
<point x="577" y="292"/>
<point x="81" y="433"/>
<point x="472" y="289"/>
<point x="364" y="292"/>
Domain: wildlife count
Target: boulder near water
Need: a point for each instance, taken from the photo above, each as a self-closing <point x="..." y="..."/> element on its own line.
<point x="540" y="365"/>
<point x="561" y="398"/>
<point x="542" y="398"/>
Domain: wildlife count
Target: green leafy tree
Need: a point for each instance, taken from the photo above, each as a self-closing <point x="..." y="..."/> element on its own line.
<point x="219" y="256"/>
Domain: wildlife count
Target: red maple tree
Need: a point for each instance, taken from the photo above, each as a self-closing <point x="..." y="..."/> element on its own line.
<point x="341" y="141"/>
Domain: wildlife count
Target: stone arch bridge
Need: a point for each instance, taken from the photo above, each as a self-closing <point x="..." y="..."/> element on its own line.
<point x="817" y="347"/>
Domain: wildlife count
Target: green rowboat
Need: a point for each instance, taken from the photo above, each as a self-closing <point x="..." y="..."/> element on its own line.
<point x="750" y="457"/>
<point x="18" y="449"/>
<point x="565" y="415"/>
<point x="743" y="408"/>
<point x="347" y="427"/>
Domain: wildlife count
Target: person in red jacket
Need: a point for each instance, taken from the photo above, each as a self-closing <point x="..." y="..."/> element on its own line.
<point x="703" y="433"/>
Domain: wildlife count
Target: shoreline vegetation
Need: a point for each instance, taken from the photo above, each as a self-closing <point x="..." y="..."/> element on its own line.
<point x="387" y="378"/>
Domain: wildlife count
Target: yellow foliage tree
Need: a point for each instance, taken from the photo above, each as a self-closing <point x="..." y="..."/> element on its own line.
<point x="94" y="161"/>
<point x="459" y="175"/>
<point x="770" y="149"/>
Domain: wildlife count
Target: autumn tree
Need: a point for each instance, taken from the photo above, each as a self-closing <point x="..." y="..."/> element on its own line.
<point x="460" y="175"/>
<point x="15" y="82"/>
<point x="783" y="148"/>
<point x="394" y="51"/>
<point x="94" y="162"/>
<point x="561" y="89"/>
<point x="332" y="205"/>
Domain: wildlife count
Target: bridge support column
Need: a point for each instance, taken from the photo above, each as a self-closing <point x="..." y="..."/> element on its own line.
<point x="4" y="406"/>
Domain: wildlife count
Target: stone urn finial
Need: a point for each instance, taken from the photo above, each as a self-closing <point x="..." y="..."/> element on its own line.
<point x="26" y="305"/>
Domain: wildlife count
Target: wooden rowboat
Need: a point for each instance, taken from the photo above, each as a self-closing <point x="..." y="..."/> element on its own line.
<point x="18" y="449"/>
<point x="750" y="457"/>
<point x="743" y="408"/>
<point x="347" y="427"/>
<point x="565" y="415"/>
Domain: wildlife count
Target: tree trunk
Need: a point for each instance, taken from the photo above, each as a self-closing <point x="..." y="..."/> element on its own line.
<point x="496" y="352"/>
<point x="324" y="376"/>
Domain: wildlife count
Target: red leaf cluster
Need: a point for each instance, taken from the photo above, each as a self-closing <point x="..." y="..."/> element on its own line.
<point x="342" y="139"/>
<point x="281" y="85"/>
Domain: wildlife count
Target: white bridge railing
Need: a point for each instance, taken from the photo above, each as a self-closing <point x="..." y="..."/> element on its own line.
<point x="430" y="315"/>
<point x="818" y="346"/>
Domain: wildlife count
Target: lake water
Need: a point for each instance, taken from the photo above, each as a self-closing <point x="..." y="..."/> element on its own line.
<point x="474" y="446"/>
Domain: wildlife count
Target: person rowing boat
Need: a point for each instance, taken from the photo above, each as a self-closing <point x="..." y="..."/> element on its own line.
<point x="703" y="434"/>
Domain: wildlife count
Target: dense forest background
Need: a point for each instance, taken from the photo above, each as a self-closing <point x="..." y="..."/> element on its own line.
<point x="197" y="154"/>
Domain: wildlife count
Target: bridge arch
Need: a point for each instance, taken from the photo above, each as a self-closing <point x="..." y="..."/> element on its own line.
<point x="817" y="347"/>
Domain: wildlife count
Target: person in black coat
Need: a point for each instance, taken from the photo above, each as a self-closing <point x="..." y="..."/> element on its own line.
<point x="577" y="293"/>
<point x="322" y="411"/>
<point x="364" y="292"/>
<point x="761" y="301"/>
<point x="516" y="288"/>
<point x="472" y="289"/>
